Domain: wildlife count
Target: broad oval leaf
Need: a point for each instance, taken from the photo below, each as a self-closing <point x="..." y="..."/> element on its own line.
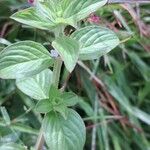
<point x="23" y="59"/>
<point x="37" y="86"/>
<point x="95" y="41"/>
<point x="32" y="17"/>
<point x="68" y="49"/>
<point x="61" y="134"/>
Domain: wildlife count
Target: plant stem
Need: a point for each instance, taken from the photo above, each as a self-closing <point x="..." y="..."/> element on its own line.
<point x="40" y="141"/>
<point x="55" y="81"/>
<point x="56" y="71"/>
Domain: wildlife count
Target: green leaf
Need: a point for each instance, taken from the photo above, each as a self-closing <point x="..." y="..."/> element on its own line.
<point x="23" y="59"/>
<point x="57" y="101"/>
<point x="49" y="14"/>
<point x="12" y="146"/>
<point x="145" y="117"/>
<point x="4" y="41"/>
<point x="95" y="41"/>
<point x="5" y="115"/>
<point x="69" y="98"/>
<point x="68" y="11"/>
<point x="68" y="49"/>
<point x="49" y="9"/>
<point x="32" y="17"/>
<point x="54" y="93"/>
<point x="61" y="134"/>
<point x="76" y="10"/>
<point x="37" y="86"/>
<point x="44" y="106"/>
<point x="62" y="109"/>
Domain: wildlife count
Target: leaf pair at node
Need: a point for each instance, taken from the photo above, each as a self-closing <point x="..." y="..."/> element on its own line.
<point x="57" y="102"/>
<point x="49" y="14"/>
<point x="87" y="43"/>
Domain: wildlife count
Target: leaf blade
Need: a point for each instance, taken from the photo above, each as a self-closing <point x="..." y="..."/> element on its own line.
<point x="23" y="59"/>
<point x="64" y="134"/>
<point x="95" y="41"/>
<point x="32" y="17"/>
<point x="68" y="49"/>
<point x="37" y="86"/>
<point x="69" y="98"/>
<point x="77" y="10"/>
<point x="43" y="106"/>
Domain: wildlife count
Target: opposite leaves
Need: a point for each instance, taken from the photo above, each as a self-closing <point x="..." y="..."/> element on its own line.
<point x="48" y="14"/>
<point x="23" y="59"/>
<point x="57" y="102"/>
<point x="61" y="134"/>
<point x="87" y="43"/>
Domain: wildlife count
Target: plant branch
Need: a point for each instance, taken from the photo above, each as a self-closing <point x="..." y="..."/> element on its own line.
<point x="55" y="80"/>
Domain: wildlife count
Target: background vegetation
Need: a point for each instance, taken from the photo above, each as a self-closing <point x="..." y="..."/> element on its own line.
<point x="115" y="89"/>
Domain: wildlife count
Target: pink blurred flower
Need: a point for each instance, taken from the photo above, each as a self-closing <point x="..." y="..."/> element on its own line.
<point x="31" y="2"/>
<point x="94" y="19"/>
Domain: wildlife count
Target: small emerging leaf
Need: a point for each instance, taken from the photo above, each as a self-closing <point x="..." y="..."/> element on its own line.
<point x="53" y="93"/>
<point x="62" y="109"/>
<point x="68" y="49"/>
<point x="43" y="106"/>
